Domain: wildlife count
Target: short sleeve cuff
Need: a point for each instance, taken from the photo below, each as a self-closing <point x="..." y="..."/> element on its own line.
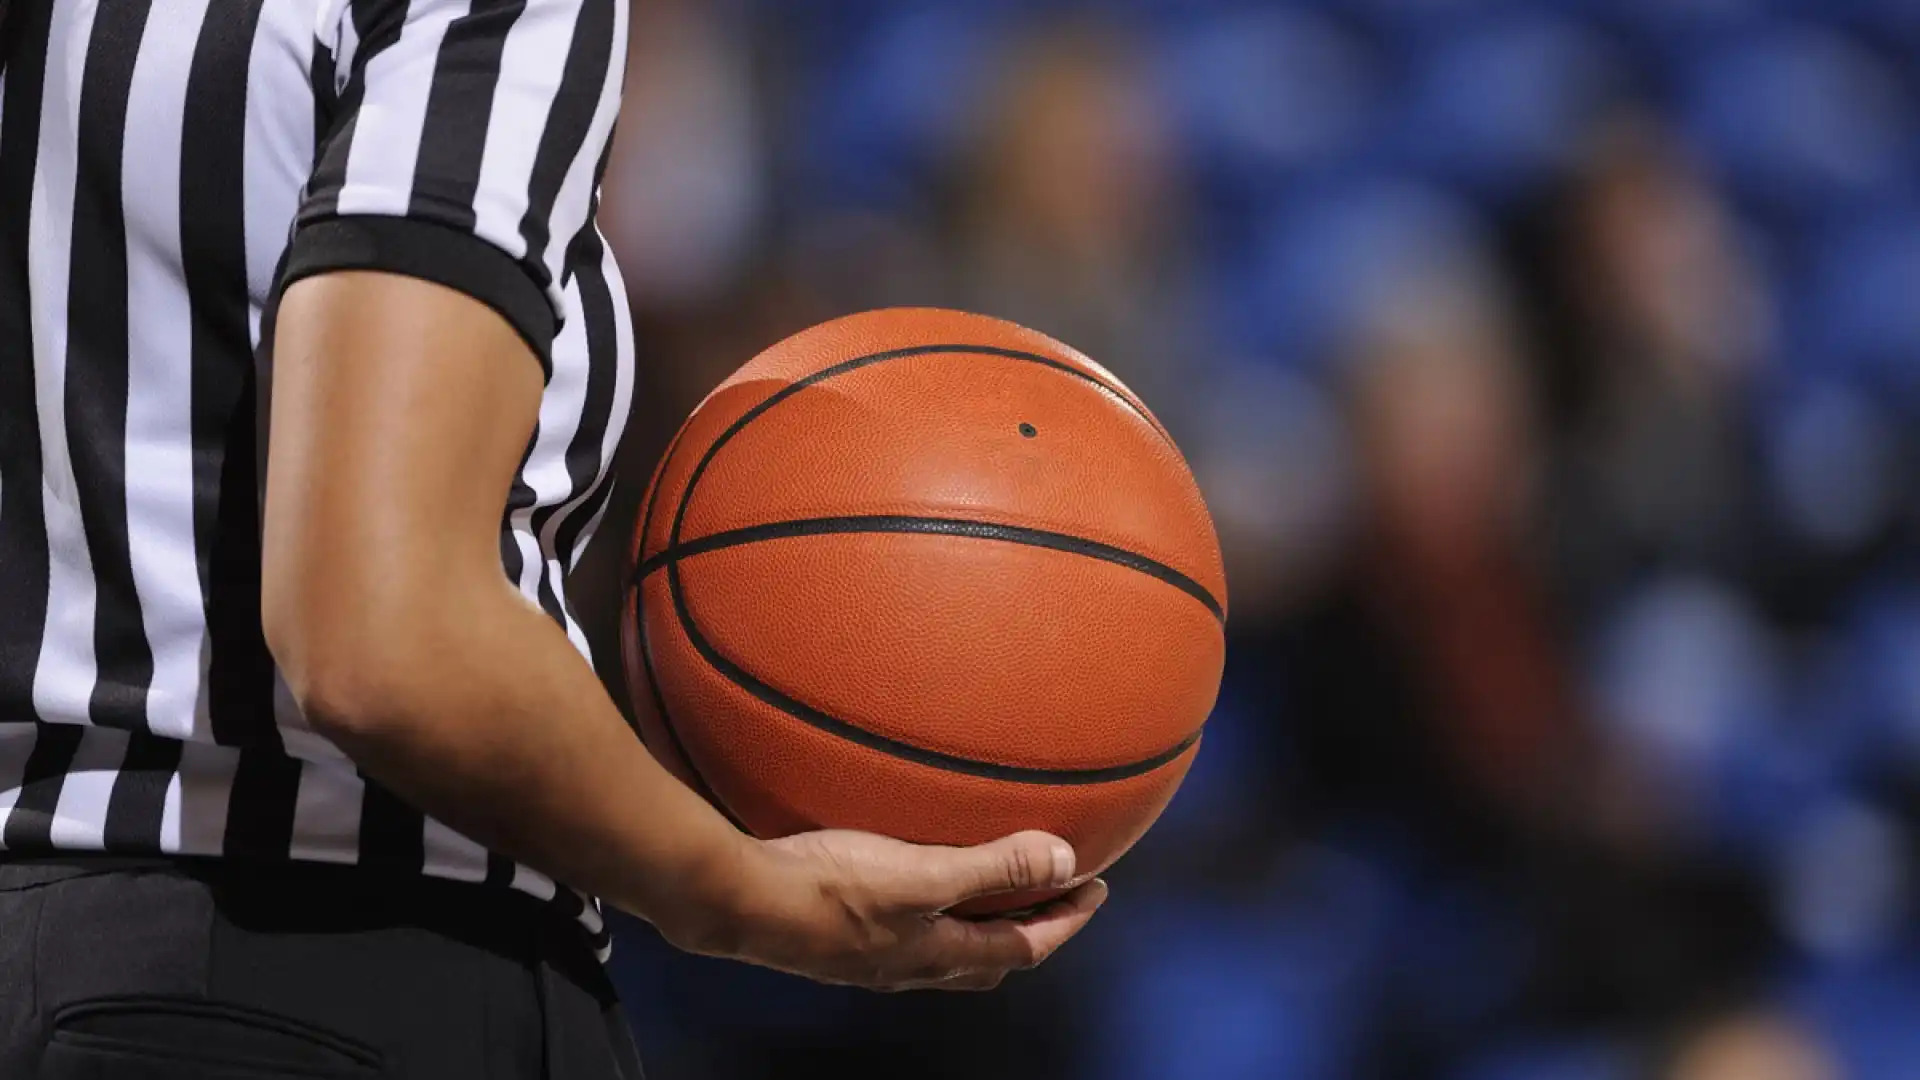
<point x="421" y="249"/>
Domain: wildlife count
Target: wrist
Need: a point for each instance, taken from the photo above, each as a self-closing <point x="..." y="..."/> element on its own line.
<point x="712" y="905"/>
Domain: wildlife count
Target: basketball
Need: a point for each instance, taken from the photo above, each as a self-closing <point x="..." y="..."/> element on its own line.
<point x="927" y="574"/>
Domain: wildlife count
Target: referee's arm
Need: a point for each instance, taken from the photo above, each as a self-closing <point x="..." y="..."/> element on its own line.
<point x="421" y="297"/>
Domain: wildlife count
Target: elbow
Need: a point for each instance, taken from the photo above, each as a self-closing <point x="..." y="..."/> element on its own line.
<point x="344" y="662"/>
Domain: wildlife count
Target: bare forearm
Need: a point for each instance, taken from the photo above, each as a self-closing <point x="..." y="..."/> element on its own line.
<point x="487" y="719"/>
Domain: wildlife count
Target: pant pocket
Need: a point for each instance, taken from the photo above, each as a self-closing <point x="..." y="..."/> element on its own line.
<point x="156" y="1038"/>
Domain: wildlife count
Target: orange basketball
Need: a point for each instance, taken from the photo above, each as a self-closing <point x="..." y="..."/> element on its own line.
<point x="932" y="575"/>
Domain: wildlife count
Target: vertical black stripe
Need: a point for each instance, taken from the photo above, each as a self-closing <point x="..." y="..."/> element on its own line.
<point x="137" y="805"/>
<point x="392" y="834"/>
<point x="593" y="206"/>
<point x="97" y="367"/>
<point x="500" y="871"/>
<point x="320" y="68"/>
<point x="9" y="30"/>
<point x="582" y="82"/>
<point x="24" y="558"/>
<point x="583" y="455"/>
<point x="260" y="807"/>
<point x="240" y="670"/>
<point x="569" y="905"/>
<point x="226" y="496"/>
<point x="601" y="311"/>
<point x="30" y="823"/>
<point x="572" y="532"/>
<point x="226" y="492"/>
<point x="459" y="103"/>
<point x="571" y="537"/>
<point x="377" y="25"/>
<point x="511" y="560"/>
<point x="602" y="937"/>
<point x="512" y="563"/>
<point x="519" y="497"/>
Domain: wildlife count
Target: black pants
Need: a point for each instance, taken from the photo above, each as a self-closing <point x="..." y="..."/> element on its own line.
<point x="197" y="971"/>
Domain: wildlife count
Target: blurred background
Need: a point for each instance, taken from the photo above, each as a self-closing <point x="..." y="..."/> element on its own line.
<point x="1552" y="369"/>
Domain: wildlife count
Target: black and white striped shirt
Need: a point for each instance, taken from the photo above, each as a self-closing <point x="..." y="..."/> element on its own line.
<point x="166" y="168"/>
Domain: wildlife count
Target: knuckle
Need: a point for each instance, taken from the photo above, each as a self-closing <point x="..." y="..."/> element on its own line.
<point x="1020" y="867"/>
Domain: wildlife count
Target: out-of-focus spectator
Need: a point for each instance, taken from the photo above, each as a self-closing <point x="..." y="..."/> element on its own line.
<point x="1661" y="321"/>
<point x="1070" y="212"/>
<point x="1432" y="672"/>
<point x="689" y="158"/>
<point x="1430" y="694"/>
<point x="1270" y="450"/>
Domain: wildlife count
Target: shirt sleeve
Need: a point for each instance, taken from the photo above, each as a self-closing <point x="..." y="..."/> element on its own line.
<point x="462" y="143"/>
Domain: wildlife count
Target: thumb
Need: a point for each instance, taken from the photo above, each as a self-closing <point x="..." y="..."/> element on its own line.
<point x="1027" y="860"/>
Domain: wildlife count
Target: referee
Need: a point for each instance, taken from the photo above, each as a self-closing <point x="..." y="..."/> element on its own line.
<point x="312" y="363"/>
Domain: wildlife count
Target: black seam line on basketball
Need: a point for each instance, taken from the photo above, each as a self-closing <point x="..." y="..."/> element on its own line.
<point x="976" y="530"/>
<point x="818" y="719"/>
<point x="845" y="366"/>
<point x="646" y="661"/>
<point x="934" y="350"/>
<point x="990" y="770"/>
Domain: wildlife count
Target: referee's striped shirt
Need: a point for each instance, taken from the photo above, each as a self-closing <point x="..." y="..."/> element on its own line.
<point x="167" y="167"/>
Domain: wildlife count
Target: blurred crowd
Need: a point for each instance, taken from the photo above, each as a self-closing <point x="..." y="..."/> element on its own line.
<point x="1552" y="369"/>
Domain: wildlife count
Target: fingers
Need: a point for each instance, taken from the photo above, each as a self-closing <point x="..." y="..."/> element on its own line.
<point x="966" y="947"/>
<point x="988" y="949"/>
<point x="1061" y="920"/>
<point x="1027" y="860"/>
<point x="877" y="917"/>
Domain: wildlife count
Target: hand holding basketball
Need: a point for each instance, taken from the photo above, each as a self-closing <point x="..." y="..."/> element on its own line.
<point x="859" y="909"/>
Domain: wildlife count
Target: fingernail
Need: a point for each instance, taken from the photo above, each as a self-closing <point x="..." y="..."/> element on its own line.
<point x="1062" y="864"/>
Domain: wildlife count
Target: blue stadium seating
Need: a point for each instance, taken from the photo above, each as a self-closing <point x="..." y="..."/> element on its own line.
<point x="1324" y="259"/>
<point x="1798" y="118"/>
<point x="1898" y="20"/>
<point x="1882" y="663"/>
<point x="1867" y="1010"/>
<point x="1252" y="989"/>
<point x="1830" y="448"/>
<point x="1499" y="106"/>
<point x="1666" y="30"/>
<point x="1259" y="91"/>
<point x="1859" y="317"/>
<point x="882" y="115"/>
<point x="1684" y="669"/>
